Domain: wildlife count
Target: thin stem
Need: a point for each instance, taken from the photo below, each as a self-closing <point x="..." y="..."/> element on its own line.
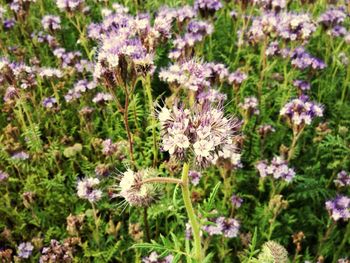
<point x="96" y="219"/>
<point x="166" y="180"/>
<point x="191" y="214"/>
<point x="126" y="124"/>
<point x="145" y="221"/>
<point x="147" y="84"/>
<point x="342" y="244"/>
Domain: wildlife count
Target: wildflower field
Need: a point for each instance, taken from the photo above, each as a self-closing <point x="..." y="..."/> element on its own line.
<point x="175" y="131"/>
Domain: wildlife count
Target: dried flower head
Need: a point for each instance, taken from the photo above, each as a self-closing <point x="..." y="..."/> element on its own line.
<point x="134" y="191"/>
<point x="272" y="252"/>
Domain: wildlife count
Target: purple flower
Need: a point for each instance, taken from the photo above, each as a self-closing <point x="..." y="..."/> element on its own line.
<point x="202" y="131"/>
<point x="3" y="176"/>
<point x="275" y="5"/>
<point x="51" y="22"/>
<point x="236" y="78"/>
<point x="49" y="103"/>
<point x="250" y="106"/>
<point x="265" y="129"/>
<point x="25" y="249"/>
<point x="301" y="85"/>
<point x="86" y="189"/>
<point x="109" y="148"/>
<point x="20" y="156"/>
<point x="207" y="7"/>
<point x="301" y="111"/>
<point x="155" y="258"/>
<point x="195" y="177"/>
<point x="278" y="168"/>
<point x="9" y="23"/>
<point x="343" y="179"/>
<point x="339" y="208"/>
<point x="236" y="201"/>
<point x="302" y="60"/>
<point x="70" y="5"/>
<point x="332" y="17"/>
<point x="102" y="97"/>
<point x="228" y="227"/>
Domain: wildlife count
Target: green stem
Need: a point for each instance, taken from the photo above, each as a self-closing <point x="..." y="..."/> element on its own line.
<point x="191" y="214"/>
<point x="147" y="84"/>
<point x="342" y="244"/>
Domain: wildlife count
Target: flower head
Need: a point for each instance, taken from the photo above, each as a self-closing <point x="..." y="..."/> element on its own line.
<point x="134" y="191"/>
<point x="339" y="208"/>
<point x="278" y="168"/>
<point x="343" y="179"/>
<point x="25" y="249"/>
<point x="87" y="189"/>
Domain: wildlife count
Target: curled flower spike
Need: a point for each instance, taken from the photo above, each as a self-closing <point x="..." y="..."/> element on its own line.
<point x="278" y="168"/>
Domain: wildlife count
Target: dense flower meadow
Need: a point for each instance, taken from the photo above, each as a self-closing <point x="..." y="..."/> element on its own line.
<point x="163" y="131"/>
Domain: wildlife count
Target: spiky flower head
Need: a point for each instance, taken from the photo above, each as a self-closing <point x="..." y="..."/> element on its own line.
<point x="134" y="191"/>
<point x="272" y="252"/>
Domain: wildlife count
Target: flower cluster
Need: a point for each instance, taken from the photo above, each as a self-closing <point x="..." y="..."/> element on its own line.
<point x="49" y="102"/>
<point x="70" y="5"/>
<point x="302" y="60"/>
<point x="343" y="179"/>
<point x="203" y="131"/>
<point x="196" y="32"/>
<point x="302" y="85"/>
<point x="58" y="252"/>
<point x="207" y="7"/>
<point x="25" y="249"/>
<point x="87" y="189"/>
<point x="134" y="191"/>
<point x="339" y="207"/>
<point x="228" y="227"/>
<point x="278" y="168"/>
<point x="300" y="112"/>
<point x="108" y="147"/>
<point x="288" y="26"/>
<point x="332" y="17"/>
<point x="275" y="5"/>
<point x="265" y="129"/>
<point x="236" y="78"/>
<point x="155" y="258"/>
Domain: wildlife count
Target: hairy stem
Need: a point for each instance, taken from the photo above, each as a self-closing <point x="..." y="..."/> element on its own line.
<point x="191" y="214"/>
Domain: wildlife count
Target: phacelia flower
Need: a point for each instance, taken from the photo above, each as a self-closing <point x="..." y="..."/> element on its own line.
<point x="70" y="5"/>
<point x="250" y="106"/>
<point x="339" y="208"/>
<point x="228" y="227"/>
<point x="109" y="148"/>
<point x="102" y="97"/>
<point x="278" y="168"/>
<point x="49" y="102"/>
<point x="20" y="156"/>
<point x="203" y="131"/>
<point x="303" y="60"/>
<point x="265" y="129"/>
<point x="332" y="17"/>
<point x="274" y="5"/>
<point x="236" y="201"/>
<point x="300" y="112"/>
<point x="207" y="7"/>
<point x="236" y="78"/>
<point x="3" y="176"/>
<point x="57" y="252"/>
<point x="51" y="23"/>
<point x="194" y="177"/>
<point x="134" y="191"/>
<point x="155" y="258"/>
<point x="302" y="85"/>
<point x="25" y="249"/>
<point x="343" y="179"/>
<point x="87" y="189"/>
